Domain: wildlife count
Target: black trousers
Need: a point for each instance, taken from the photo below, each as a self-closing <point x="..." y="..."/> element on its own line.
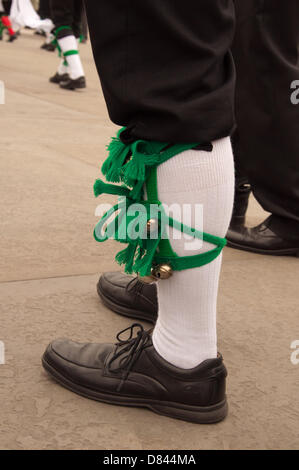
<point x="44" y="9"/>
<point x="167" y="73"/>
<point x="165" y="66"/>
<point x="7" y="6"/>
<point x="266" y="53"/>
<point x="67" y="13"/>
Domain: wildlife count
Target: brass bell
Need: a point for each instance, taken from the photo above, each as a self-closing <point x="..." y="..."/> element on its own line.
<point x="163" y="271"/>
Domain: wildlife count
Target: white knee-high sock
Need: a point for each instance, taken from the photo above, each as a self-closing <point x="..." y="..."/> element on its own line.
<point x="185" y="333"/>
<point x="69" y="43"/>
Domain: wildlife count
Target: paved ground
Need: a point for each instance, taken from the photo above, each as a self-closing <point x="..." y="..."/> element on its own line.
<point x="51" y="145"/>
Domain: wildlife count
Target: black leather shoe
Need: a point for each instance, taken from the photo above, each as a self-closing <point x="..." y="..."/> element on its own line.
<point x="57" y="78"/>
<point x="48" y="47"/>
<point x="129" y="296"/>
<point x="262" y="240"/>
<point x="132" y="373"/>
<point x="40" y="33"/>
<point x="12" y="38"/>
<point x="71" y="84"/>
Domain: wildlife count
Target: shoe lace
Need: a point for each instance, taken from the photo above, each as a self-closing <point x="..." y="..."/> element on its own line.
<point x="135" y="284"/>
<point x="130" y="348"/>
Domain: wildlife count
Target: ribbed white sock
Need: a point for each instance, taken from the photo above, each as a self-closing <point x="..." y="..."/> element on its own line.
<point x="69" y="43"/>
<point x="62" y="68"/>
<point x="185" y="333"/>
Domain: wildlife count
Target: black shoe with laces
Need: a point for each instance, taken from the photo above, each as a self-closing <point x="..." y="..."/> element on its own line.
<point x="132" y="373"/>
<point x="129" y="296"/>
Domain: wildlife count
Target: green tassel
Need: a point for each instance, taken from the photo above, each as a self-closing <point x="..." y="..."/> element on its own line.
<point x="140" y="168"/>
<point x="112" y="166"/>
<point x="134" y="169"/>
<point x="143" y="265"/>
<point x="100" y="188"/>
<point x="126" y="257"/>
<point x="140" y="252"/>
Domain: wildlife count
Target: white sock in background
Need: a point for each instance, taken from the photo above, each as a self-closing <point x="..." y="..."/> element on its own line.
<point x="69" y="43"/>
<point x="185" y="333"/>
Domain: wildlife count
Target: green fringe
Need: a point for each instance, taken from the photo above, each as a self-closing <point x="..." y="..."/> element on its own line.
<point x="143" y="265"/>
<point x="138" y="256"/>
<point x="134" y="165"/>
<point x="134" y="170"/>
<point x="112" y="166"/>
<point x="127" y="257"/>
<point x="100" y="188"/>
<point x="130" y="163"/>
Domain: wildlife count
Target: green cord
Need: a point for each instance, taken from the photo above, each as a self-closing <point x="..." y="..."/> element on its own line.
<point x="71" y="52"/>
<point x="135" y="166"/>
<point x="56" y="43"/>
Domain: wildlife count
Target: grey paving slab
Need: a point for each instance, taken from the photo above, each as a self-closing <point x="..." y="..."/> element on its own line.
<point x="254" y="335"/>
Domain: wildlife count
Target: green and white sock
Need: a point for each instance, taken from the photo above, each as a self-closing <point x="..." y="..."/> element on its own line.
<point x="69" y="48"/>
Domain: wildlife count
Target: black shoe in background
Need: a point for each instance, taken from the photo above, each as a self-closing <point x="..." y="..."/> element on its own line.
<point x="71" y="84"/>
<point x="12" y="38"/>
<point x="132" y="373"/>
<point x="129" y="296"/>
<point x="48" y="47"/>
<point x="40" y="33"/>
<point x="268" y="238"/>
<point x="57" y="78"/>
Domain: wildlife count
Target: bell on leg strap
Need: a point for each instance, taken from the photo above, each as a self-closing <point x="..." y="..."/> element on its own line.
<point x="134" y="165"/>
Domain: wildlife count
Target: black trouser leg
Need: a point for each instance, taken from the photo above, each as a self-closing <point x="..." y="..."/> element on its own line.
<point x="7" y="6"/>
<point x="44" y="9"/>
<point x="267" y="149"/>
<point x="84" y="25"/>
<point x="62" y="14"/>
<point x="78" y="17"/>
<point x="67" y="13"/>
<point x="165" y="66"/>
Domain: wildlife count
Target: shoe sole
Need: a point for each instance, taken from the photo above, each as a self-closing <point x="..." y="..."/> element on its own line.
<point x="283" y="252"/>
<point x="122" y="310"/>
<point x="55" y="81"/>
<point x="73" y="88"/>
<point x="194" y="414"/>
